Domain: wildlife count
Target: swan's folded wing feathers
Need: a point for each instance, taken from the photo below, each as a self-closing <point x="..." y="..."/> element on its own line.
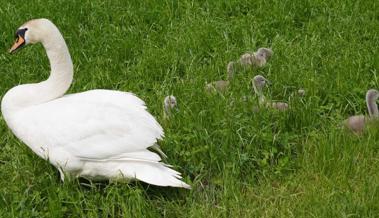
<point x="98" y="124"/>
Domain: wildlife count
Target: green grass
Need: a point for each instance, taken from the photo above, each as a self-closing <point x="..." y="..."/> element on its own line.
<point x="240" y="163"/>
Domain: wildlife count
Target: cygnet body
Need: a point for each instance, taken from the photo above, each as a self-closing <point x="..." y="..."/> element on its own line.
<point x="221" y="85"/>
<point x="258" y="58"/>
<point x="259" y="83"/>
<point x="169" y="104"/>
<point x="358" y="123"/>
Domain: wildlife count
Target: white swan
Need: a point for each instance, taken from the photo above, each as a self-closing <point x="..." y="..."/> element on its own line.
<point x="97" y="134"/>
<point x="357" y="123"/>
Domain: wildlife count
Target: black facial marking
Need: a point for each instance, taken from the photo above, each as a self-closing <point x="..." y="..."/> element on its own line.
<point x="21" y="33"/>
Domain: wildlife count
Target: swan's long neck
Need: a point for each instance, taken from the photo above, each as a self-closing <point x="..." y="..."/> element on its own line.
<point x="55" y="86"/>
<point x="371" y="105"/>
<point x="61" y="74"/>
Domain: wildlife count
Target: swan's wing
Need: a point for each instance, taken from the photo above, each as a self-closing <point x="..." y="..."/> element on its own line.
<point x="98" y="124"/>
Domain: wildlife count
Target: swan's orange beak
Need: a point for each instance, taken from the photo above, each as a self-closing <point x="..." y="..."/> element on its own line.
<point x="20" y="41"/>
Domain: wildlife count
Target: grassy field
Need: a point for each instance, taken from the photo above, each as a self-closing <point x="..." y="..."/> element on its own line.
<point x="241" y="164"/>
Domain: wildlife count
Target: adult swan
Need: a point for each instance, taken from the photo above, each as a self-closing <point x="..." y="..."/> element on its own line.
<point x="97" y="134"/>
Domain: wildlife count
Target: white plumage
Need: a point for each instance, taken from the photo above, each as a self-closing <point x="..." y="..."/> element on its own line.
<point x="98" y="134"/>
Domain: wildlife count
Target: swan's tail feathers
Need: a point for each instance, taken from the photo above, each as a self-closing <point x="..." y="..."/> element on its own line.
<point x="155" y="173"/>
<point x="158" y="174"/>
<point x="141" y="165"/>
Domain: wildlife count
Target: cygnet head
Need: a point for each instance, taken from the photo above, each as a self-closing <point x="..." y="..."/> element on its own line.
<point x="259" y="82"/>
<point x="301" y="92"/>
<point x="264" y="53"/>
<point x="34" y="31"/>
<point x="371" y="96"/>
<point x="170" y="102"/>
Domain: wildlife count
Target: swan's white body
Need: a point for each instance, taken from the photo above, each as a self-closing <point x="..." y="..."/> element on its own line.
<point x="98" y="134"/>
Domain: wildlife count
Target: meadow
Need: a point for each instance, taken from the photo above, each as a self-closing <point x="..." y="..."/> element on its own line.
<point x="240" y="163"/>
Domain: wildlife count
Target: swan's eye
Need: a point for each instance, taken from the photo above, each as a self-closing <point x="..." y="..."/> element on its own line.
<point x="21" y="32"/>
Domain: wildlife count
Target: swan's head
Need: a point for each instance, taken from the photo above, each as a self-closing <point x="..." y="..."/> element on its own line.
<point x="170" y="102"/>
<point x="33" y="31"/>
<point x="264" y="53"/>
<point x="259" y="82"/>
